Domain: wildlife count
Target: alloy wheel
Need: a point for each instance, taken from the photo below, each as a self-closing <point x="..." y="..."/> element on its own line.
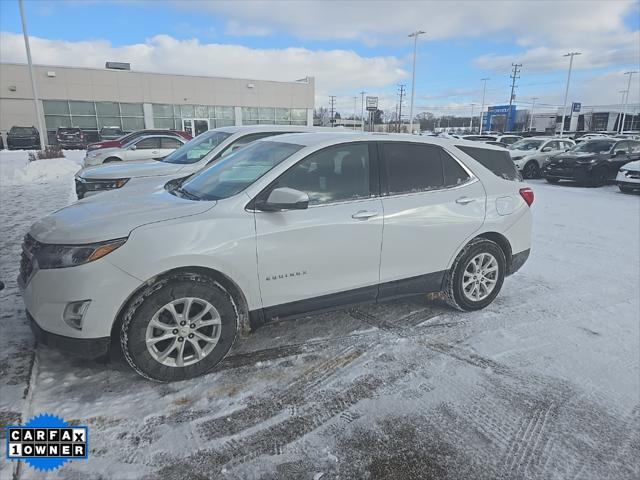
<point x="480" y="277"/>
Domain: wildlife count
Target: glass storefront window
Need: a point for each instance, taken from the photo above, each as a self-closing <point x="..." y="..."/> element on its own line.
<point x="163" y="122"/>
<point x="52" y="122"/>
<point x="55" y="107"/>
<point x="267" y="115"/>
<point x="108" y="109"/>
<point x="130" y="124"/>
<point x="161" y="110"/>
<point x="131" y="110"/>
<point x="87" y="122"/>
<point x="109" y="122"/>
<point x="282" y="116"/>
<point x="299" y="115"/>
<point x="202" y="111"/>
<point x="249" y="114"/>
<point x="82" y="108"/>
<point x="187" y="111"/>
<point x="225" y="112"/>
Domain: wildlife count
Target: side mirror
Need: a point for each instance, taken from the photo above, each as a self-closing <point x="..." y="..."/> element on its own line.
<point x="284" y="199"/>
<point x="133" y="147"/>
<point x="619" y="152"/>
<point x="546" y="149"/>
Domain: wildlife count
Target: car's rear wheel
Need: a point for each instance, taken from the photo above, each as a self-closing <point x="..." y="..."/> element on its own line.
<point x="112" y="159"/>
<point x="625" y="189"/>
<point x="552" y="180"/>
<point x="531" y="170"/>
<point x="179" y="329"/>
<point x="477" y="275"/>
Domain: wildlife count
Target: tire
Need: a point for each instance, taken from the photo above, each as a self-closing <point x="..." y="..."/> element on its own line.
<point x="552" y="180"/>
<point x="531" y="170"/>
<point x="152" y="305"/>
<point x="625" y="189"/>
<point x="600" y="178"/>
<point x="454" y="289"/>
<point x="112" y="159"/>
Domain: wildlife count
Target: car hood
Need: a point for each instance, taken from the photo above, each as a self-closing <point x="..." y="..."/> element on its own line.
<point x="109" y="215"/>
<point x="570" y="158"/>
<point x="145" y="168"/>
<point x="634" y="166"/>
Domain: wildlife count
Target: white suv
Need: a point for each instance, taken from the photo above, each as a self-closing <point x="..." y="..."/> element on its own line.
<point x="283" y="226"/>
<point x="529" y="154"/>
<point x="155" y="169"/>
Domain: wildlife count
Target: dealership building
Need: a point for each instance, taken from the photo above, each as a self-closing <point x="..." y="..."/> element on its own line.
<point x="94" y="98"/>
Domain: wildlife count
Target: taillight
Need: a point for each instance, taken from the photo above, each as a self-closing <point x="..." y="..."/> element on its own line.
<point x="527" y="195"/>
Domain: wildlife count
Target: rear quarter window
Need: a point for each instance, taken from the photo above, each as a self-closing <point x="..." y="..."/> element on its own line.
<point x="498" y="162"/>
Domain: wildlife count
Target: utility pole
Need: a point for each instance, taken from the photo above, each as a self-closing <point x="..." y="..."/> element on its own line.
<point x="415" y="36"/>
<point x="471" y="120"/>
<point x="623" y="93"/>
<point x="36" y="100"/>
<point x="533" y="106"/>
<point x="401" y="93"/>
<point x="484" y="90"/>
<point x="566" y="91"/>
<point x="626" y="102"/>
<point x="332" y="103"/>
<point x="355" y="102"/>
<point x="362" y="107"/>
<point x="514" y="76"/>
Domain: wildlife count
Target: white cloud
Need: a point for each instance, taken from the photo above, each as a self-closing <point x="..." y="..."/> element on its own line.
<point x="338" y="72"/>
<point x="237" y="29"/>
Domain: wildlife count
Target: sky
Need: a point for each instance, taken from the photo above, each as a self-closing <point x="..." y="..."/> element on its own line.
<point x="353" y="46"/>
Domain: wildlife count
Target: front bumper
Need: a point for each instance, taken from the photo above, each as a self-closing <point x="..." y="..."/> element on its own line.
<point x="23" y="144"/>
<point x="46" y="293"/>
<point x="83" y="347"/>
<point x="575" y="172"/>
<point x="628" y="178"/>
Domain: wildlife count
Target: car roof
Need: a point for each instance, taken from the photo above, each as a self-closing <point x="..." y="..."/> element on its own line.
<point x="276" y="128"/>
<point x="320" y="138"/>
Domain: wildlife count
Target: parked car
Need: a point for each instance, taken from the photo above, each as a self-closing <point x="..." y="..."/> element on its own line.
<point x="590" y="136"/>
<point x="592" y="162"/>
<point x="529" y="154"/>
<point x="1" y="142"/>
<point x="110" y="133"/>
<point x="496" y="143"/>
<point x="628" y="178"/>
<point x="23" y="138"/>
<point x="508" y="139"/>
<point x="193" y="156"/>
<point x="480" y="138"/>
<point x="174" y="273"/>
<point x="145" y="147"/>
<point x="119" y="142"/>
<point x="71" y="137"/>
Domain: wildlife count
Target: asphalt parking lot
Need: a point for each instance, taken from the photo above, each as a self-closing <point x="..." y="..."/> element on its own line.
<point x="544" y="383"/>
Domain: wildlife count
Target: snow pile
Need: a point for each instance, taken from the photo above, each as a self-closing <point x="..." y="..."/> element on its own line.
<point x="15" y="168"/>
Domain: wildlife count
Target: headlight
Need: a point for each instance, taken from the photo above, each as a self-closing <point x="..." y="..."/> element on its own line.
<point x="94" y="154"/>
<point x="623" y="170"/>
<point x="98" y="185"/>
<point x="589" y="161"/>
<point x="515" y="159"/>
<point x="60" y="256"/>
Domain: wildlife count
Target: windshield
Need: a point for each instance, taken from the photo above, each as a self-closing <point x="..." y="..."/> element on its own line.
<point x="68" y="130"/>
<point x="594" y="146"/>
<point x="194" y="150"/>
<point x="236" y="172"/>
<point x="22" y="130"/>
<point x="526" y="145"/>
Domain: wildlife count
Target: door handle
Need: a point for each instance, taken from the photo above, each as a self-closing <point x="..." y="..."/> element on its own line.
<point x="464" y="200"/>
<point x="364" y="215"/>
<point x="155" y="152"/>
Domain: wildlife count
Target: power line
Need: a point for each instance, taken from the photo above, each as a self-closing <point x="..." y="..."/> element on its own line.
<point x="514" y="76"/>
<point x="401" y="94"/>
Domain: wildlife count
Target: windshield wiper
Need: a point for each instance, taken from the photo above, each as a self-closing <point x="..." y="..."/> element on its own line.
<point x="184" y="194"/>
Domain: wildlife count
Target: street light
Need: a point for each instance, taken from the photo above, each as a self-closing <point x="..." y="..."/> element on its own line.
<point x="36" y="100"/>
<point x="566" y="91"/>
<point x="484" y="90"/>
<point x="362" y="106"/>
<point x="415" y="36"/>
<point x="622" y="93"/>
<point x="626" y="102"/>
<point x="533" y="106"/>
<point x="471" y="120"/>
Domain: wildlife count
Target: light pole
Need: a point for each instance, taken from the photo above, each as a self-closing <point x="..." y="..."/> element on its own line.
<point x="471" y="120"/>
<point x="36" y="100"/>
<point x="566" y="91"/>
<point x="626" y="102"/>
<point x="415" y="36"/>
<point x="484" y="90"/>
<point x="355" y="102"/>
<point x="533" y="106"/>
<point x="362" y="106"/>
<point x="621" y="92"/>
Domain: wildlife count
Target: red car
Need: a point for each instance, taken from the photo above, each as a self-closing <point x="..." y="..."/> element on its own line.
<point x="119" y="142"/>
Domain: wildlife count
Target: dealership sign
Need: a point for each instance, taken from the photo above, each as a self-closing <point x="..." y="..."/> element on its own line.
<point x="372" y="103"/>
<point x="575" y="107"/>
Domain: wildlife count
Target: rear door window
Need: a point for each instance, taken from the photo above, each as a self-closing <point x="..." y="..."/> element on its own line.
<point x="412" y="167"/>
<point x="148" y="143"/>
<point x="499" y="162"/>
<point x="245" y="140"/>
<point x="170" y="142"/>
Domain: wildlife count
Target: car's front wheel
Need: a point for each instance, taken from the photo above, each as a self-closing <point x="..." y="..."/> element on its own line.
<point x="476" y="277"/>
<point x="179" y="329"/>
<point x="531" y="170"/>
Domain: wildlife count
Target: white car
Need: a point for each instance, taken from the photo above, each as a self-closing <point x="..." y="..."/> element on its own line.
<point x="196" y="154"/>
<point x="628" y="178"/>
<point x="148" y="146"/>
<point x="285" y="225"/>
<point x="529" y="154"/>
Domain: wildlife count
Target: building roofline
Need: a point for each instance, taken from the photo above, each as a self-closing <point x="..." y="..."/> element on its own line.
<point x="309" y="78"/>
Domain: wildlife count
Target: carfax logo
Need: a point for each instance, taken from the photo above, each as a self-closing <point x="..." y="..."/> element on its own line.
<point x="47" y="442"/>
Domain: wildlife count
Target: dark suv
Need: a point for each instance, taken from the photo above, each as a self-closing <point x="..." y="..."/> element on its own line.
<point x="71" y="137"/>
<point x="111" y="133"/>
<point x="23" y="138"/>
<point x="592" y="162"/>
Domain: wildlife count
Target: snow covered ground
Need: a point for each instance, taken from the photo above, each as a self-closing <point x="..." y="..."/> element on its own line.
<point x="544" y="383"/>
